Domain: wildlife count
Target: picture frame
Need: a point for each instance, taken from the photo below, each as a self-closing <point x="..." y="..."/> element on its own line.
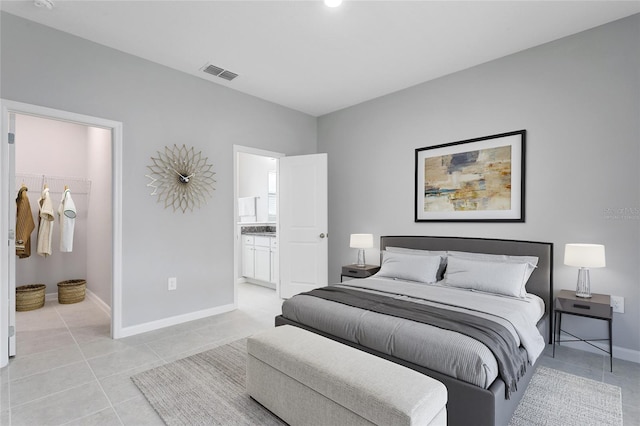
<point x="473" y="180"/>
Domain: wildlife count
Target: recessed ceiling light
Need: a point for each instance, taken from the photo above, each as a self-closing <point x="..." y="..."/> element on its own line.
<point x="332" y="3"/>
<point x="44" y="3"/>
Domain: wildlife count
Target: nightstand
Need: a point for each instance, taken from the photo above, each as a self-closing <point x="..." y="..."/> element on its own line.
<point x="598" y="307"/>
<point x="355" y="271"/>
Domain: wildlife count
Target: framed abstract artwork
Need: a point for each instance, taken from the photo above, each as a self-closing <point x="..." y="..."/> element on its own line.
<point x="475" y="180"/>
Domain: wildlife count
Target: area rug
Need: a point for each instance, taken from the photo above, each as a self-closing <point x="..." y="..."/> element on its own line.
<point x="205" y="389"/>
<point x="209" y="389"/>
<point x="558" y="398"/>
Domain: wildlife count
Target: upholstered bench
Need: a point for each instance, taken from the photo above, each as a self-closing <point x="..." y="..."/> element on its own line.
<point x="307" y="379"/>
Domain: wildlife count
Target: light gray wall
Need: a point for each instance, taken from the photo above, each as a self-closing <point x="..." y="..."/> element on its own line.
<point x="579" y="100"/>
<point x="158" y="106"/>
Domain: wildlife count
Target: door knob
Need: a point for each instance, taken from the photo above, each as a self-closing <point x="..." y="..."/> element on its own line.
<point x="322" y="235"/>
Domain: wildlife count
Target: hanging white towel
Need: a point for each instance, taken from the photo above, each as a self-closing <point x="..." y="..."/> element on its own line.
<point x="67" y="218"/>
<point x="247" y="206"/>
<point x="45" y="224"/>
<point x="247" y="209"/>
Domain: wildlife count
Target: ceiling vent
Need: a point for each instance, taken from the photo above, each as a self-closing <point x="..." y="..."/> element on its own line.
<point x="219" y="72"/>
<point x="227" y="75"/>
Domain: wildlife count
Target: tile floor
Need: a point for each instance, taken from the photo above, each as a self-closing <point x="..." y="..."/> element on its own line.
<point x="69" y="372"/>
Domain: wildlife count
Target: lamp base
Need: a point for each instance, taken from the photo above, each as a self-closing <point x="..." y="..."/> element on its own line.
<point x="360" y="258"/>
<point x="583" y="287"/>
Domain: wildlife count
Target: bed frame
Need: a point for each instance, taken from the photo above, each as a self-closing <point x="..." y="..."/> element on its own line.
<point x="469" y="404"/>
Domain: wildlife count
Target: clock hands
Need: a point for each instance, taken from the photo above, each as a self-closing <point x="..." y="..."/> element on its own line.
<point x="179" y="174"/>
<point x="183" y="179"/>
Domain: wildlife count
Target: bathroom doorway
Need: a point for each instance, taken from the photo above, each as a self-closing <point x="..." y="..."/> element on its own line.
<point x="256" y="257"/>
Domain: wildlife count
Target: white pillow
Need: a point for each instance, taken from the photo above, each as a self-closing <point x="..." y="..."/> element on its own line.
<point x="505" y="278"/>
<point x="531" y="261"/>
<point x="409" y="267"/>
<point x="442" y="254"/>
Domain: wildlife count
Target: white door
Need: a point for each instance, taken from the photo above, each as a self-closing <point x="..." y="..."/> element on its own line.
<point x="303" y="223"/>
<point x="12" y="241"/>
<point x="8" y="251"/>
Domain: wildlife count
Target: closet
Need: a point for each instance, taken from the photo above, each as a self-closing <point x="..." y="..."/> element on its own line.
<point x="59" y="155"/>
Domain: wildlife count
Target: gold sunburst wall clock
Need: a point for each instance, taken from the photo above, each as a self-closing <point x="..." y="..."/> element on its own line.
<point x="181" y="178"/>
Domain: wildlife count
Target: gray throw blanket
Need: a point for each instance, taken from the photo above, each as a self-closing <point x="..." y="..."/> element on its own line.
<point x="512" y="360"/>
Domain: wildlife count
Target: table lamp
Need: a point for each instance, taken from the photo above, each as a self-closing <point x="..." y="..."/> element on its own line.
<point x="361" y="242"/>
<point x="584" y="256"/>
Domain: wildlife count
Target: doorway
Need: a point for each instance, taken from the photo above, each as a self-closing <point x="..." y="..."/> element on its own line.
<point x="255" y="225"/>
<point x="72" y="159"/>
<point x="17" y="115"/>
<point x="301" y="225"/>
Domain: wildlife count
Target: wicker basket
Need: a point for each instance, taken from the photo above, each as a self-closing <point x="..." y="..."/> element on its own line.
<point x="30" y="297"/>
<point x="71" y="291"/>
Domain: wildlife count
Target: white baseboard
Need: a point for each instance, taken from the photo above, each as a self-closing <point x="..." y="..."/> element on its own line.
<point x="270" y="285"/>
<point x="98" y="301"/>
<point x="178" y="319"/>
<point x="618" y="352"/>
<point x="89" y="295"/>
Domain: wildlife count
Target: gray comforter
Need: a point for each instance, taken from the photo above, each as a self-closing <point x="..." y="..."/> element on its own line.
<point x="448" y="352"/>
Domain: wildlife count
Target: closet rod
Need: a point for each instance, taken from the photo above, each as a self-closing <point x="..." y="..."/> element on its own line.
<point x="56" y="184"/>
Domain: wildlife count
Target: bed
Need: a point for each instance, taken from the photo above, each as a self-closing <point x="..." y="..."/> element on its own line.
<point x="477" y="390"/>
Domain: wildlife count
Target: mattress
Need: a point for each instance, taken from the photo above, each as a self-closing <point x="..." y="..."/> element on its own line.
<point x="448" y="352"/>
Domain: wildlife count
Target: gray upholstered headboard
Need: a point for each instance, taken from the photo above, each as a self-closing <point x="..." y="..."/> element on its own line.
<point x="541" y="281"/>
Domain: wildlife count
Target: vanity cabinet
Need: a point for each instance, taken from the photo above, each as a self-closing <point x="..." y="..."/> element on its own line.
<point x="248" y="256"/>
<point x="260" y="259"/>
<point x="273" y="251"/>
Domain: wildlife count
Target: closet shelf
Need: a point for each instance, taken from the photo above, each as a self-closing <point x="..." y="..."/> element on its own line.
<point x="56" y="184"/>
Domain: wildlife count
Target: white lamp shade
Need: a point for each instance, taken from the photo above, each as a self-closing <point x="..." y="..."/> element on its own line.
<point x="361" y="241"/>
<point x="584" y="255"/>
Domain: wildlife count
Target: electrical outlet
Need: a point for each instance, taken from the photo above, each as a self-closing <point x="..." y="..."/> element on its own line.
<point x="617" y="302"/>
<point x="173" y="283"/>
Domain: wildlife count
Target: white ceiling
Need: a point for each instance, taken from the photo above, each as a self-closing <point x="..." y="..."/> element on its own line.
<point x="311" y="58"/>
